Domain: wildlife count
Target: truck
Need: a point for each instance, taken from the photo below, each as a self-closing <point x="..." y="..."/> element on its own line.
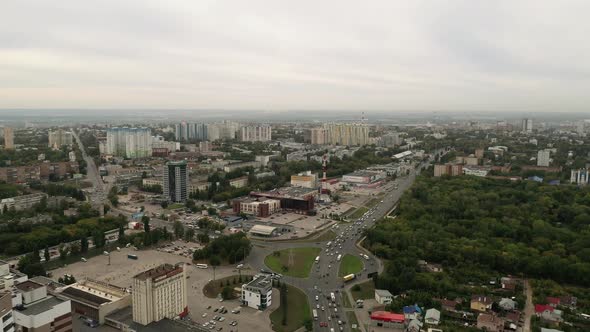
<point x="348" y="277"/>
<point x="338" y="258"/>
<point x="130" y="256"/>
<point x="317" y="259"/>
<point x="315" y="314"/>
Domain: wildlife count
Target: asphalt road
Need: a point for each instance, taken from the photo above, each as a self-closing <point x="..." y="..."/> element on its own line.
<point x="323" y="279"/>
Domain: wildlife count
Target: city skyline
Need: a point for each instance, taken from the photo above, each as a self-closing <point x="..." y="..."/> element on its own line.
<point x="389" y="56"/>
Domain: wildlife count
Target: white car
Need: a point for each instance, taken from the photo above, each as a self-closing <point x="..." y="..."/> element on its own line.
<point x="317" y="298"/>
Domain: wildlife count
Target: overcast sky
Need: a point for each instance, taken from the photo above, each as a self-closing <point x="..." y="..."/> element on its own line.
<point x="470" y="55"/>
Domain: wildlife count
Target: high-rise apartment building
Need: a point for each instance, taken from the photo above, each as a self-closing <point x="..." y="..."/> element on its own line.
<point x="391" y="140"/>
<point x="176" y="182"/>
<point x="259" y="133"/>
<point x="159" y="293"/>
<point x="352" y="134"/>
<point x="8" y="138"/>
<point x="318" y="136"/>
<point x="129" y="142"/>
<point x="543" y="158"/>
<point x="580" y="176"/>
<point x="190" y="131"/>
<point x="527" y="125"/>
<point x="59" y="138"/>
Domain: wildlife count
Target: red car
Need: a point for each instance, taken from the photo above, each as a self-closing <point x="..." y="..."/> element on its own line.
<point x="323" y="324"/>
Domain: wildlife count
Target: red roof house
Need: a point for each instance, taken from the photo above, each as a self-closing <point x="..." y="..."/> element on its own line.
<point x="386" y="316"/>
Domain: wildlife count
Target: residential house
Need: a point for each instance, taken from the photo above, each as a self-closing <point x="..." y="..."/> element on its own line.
<point x="414" y="326"/>
<point x="383" y="296"/>
<point x="412" y="312"/>
<point x="507" y="304"/>
<point x="490" y="322"/>
<point x="548" y="313"/>
<point x="513" y="317"/>
<point x="553" y="301"/>
<point x="432" y="317"/>
<point x="481" y="303"/>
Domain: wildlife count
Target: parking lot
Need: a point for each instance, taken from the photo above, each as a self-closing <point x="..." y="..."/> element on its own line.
<point x="122" y="269"/>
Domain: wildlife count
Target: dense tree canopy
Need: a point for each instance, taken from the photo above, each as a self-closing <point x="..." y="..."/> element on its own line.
<point x="477" y="228"/>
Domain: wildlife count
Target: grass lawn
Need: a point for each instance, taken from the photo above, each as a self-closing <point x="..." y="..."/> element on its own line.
<point x="174" y="206"/>
<point x="350" y="264"/>
<point x="345" y="301"/>
<point x="300" y="264"/>
<point x="326" y="236"/>
<point x="358" y="213"/>
<point x="214" y="287"/>
<point x="372" y="202"/>
<point x="297" y="309"/>
<point x="365" y="291"/>
<point x="351" y="319"/>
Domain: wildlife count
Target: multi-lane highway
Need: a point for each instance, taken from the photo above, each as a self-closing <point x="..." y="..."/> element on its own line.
<point x="324" y="279"/>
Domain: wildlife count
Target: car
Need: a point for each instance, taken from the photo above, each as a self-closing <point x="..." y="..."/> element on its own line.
<point x="317" y="306"/>
<point x="323" y="324"/>
<point x="221" y="319"/>
<point x="216" y="309"/>
<point x="219" y="328"/>
<point x="323" y="309"/>
<point x="339" y="322"/>
<point x="317" y="298"/>
<point x="204" y="315"/>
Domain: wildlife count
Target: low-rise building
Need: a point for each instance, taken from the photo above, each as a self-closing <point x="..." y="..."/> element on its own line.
<point x="96" y="299"/>
<point x="263" y="230"/>
<point x="480" y="171"/>
<point x="304" y="180"/>
<point x="383" y="296"/>
<point x="548" y="313"/>
<point x="507" y="304"/>
<point x="234" y="166"/>
<point x="10" y="277"/>
<point x="259" y="207"/>
<point x="448" y="169"/>
<point x="364" y="178"/>
<point x="432" y="317"/>
<point x="257" y="293"/>
<point x="412" y="312"/>
<point x="6" y="317"/>
<point x="387" y="319"/>
<point x="41" y="312"/>
<point x="23" y="202"/>
<point x="481" y="303"/>
<point x="239" y="182"/>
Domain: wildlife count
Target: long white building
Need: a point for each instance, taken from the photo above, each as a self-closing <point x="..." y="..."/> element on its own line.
<point x="159" y="293"/>
<point x="259" y="133"/>
<point x="580" y="176"/>
<point x="129" y="142"/>
<point x="352" y="134"/>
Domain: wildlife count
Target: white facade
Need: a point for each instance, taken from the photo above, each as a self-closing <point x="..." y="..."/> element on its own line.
<point x="305" y="180"/>
<point x="257" y="293"/>
<point x="544" y="158"/>
<point x="261" y="133"/>
<point x="60" y="138"/>
<point x="129" y="142"/>
<point x="159" y="293"/>
<point x="580" y="176"/>
<point x="383" y="296"/>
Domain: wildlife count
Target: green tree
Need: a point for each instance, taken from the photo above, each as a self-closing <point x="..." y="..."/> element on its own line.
<point x="189" y="234"/>
<point x="83" y="244"/>
<point x="227" y="293"/>
<point x="178" y="229"/>
<point x="214" y="261"/>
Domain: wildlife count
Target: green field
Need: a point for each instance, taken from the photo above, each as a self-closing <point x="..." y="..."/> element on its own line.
<point x="295" y="262"/>
<point x="350" y="264"/>
<point x="372" y="202"/>
<point x="363" y="291"/>
<point x="358" y="213"/>
<point x="298" y="309"/>
<point x="214" y="287"/>
<point x="350" y="315"/>
<point x="175" y="206"/>
<point x="326" y="236"/>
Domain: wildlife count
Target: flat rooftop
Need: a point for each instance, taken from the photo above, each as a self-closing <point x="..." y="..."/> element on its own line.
<point x="159" y="271"/>
<point x="94" y="293"/>
<point x="28" y="286"/>
<point x="125" y="316"/>
<point x="260" y="281"/>
<point x="41" y="306"/>
<point x="289" y="192"/>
